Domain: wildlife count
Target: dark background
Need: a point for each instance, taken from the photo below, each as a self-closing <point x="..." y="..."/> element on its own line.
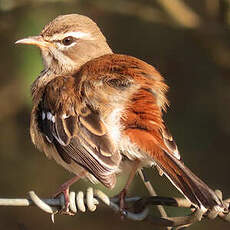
<point x="187" y="41"/>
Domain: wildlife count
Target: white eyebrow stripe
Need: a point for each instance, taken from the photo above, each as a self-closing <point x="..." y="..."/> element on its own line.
<point x="77" y="35"/>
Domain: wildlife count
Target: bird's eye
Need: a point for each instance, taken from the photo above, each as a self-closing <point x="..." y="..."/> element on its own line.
<point x="67" y="41"/>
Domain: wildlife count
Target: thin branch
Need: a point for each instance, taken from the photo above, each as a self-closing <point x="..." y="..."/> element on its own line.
<point x="181" y="13"/>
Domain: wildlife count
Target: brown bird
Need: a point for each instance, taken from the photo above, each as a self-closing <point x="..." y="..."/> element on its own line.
<point x="95" y="111"/>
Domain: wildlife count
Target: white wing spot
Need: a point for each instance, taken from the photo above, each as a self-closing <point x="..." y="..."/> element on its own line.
<point x="43" y="115"/>
<point x="49" y="116"/>
<point x="53" y="119"/>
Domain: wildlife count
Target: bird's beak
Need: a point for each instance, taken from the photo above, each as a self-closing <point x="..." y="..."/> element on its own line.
<point x="34" y="40"/>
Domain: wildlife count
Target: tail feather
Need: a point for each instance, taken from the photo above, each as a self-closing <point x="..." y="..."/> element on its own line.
<point x="188" y="183"/>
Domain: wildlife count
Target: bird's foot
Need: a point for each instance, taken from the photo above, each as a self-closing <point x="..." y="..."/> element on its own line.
<point x="64" y="189"/>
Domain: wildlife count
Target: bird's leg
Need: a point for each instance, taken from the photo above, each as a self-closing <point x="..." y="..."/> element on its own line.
<point x="64" y="189"/>
<point x="123" y="193"/>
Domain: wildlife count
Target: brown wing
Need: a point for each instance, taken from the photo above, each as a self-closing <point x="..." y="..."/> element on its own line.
<point x="75" y="129"/>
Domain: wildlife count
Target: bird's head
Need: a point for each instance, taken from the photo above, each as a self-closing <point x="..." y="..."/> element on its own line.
<point x="67" y="42"/>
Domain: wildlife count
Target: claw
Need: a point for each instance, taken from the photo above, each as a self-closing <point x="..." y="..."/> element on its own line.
<point x="65" y="191"/>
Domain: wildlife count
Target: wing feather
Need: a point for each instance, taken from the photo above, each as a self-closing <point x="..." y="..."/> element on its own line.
<point x="78" y="134"/>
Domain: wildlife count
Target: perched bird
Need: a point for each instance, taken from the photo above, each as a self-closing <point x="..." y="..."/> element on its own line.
<point x="95" y="111"/>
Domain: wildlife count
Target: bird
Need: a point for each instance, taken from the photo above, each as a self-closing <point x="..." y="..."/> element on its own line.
<point x="95" y="111"/>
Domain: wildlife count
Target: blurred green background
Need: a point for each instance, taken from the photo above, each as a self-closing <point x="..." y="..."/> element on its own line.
<point x="187" y="41"/>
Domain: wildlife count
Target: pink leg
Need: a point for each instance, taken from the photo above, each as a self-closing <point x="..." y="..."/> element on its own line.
<point x="64" y="188"/>
<point x="123" y="193"/>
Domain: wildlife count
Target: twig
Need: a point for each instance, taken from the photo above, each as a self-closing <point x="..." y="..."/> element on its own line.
<point x="181" y="13"/>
